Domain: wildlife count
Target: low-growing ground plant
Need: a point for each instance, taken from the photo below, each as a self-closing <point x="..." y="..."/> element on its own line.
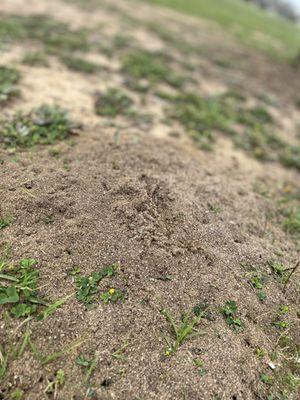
<point x="113" y="296"/>
<point x="9" y="77"/>
<point x="88" y="286"/>
<point x="153" y="67"/>
<point x="112" y="103"/>
<point x="44" y="125"/>
<point x="4" y="222"/>
<point x="200" y="366"/>
<point x="279" y="319"/>
<point x="35" y="58"/>
<point x="184" y="330"/>
<point x="229" y="311"/>
<point x="18" y="288"/>
<point x="79" y="64"/>
<point x="55" y="36"/>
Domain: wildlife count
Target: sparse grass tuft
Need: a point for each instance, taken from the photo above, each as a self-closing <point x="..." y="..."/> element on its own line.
<point x="35" y="58"/>
<point x="184" y="330"/>
<point x="112" y="103"/>
<point x="45" y="125"/>
<point x="79" y="64"/>
<point x="4" y="222"/>
<point x="9" y="77"/>
<point x="150" y="66"/>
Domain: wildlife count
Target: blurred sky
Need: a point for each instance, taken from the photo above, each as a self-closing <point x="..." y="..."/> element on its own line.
<point x="296" y="3"/>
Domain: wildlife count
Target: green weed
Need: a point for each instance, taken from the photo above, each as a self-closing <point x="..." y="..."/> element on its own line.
<point x="4" y="222"/>
<point x="88" y="286"/>
<point x="279" y="319"/>
<point x="9" y="77"/>
<point x="229" y="311"/>
<point x="45" y="125"/>
<point x="182" y="331"/>
<point x="18" y="288"/>
<point x="113" y="296"/>
<point x="112" y="103"/>
<point x="200" y="366"/>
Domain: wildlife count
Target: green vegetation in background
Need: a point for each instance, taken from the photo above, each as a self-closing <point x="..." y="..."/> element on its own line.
<point x="56" y="36"/>
<point x="270" y="33"/>
<point x="112" y="103"/>
<point x="153" y="67"/>
<point x="9" y="77"/>
<point x="251" y="128"/>
<point x="44" y="125"/>
<point x="79" y="64"/>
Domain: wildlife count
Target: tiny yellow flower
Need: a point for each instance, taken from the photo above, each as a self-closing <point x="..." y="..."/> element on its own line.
<point x="111" y="291"/>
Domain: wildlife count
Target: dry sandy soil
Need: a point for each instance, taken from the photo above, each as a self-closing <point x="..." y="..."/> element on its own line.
<point x="185" y="226"/>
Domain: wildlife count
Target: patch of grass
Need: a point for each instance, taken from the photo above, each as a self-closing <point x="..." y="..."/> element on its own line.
<point x="45" y="125"/>
<point x="79" y="64"/>
<point x="112" y="103"/>
<point x="204" y="117"/>
<point x="4" y="222"/>
<point x="18" y="288"/>
<point x="291" y="223"/>
<point x="88" y="286"/>
<point x="182" y="331"/>
<point x="113" y="296"/>
<point x="153" y="67"/>
<point x="279" y="270"/>
<point x="35" y="58"/>
<point x="56" y="36"/>
<point x="253" y="26"/>
<point x="9" y="77"/>
<point x="229" y="311"/>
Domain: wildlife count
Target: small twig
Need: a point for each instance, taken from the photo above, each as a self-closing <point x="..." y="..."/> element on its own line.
<point x="293" y="270"/>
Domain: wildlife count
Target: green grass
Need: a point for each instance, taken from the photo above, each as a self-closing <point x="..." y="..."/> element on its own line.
<point x="56" y="36"/>
<point x="9" y="78"/>
<point x="112" y="103"/>
<point x="79" y="64"/>
<point x="44" y="125"/>
<point x="4" y="222"/>
<point x="35" y="58"/>
<point x="141" y="64"/>
<point x="204" y="117"/>
<point x="184" y="330"/>
<point x="250" y="24"/>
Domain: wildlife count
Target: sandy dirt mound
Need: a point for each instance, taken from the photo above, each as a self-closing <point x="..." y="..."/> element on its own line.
<point x="187" y="231"/>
